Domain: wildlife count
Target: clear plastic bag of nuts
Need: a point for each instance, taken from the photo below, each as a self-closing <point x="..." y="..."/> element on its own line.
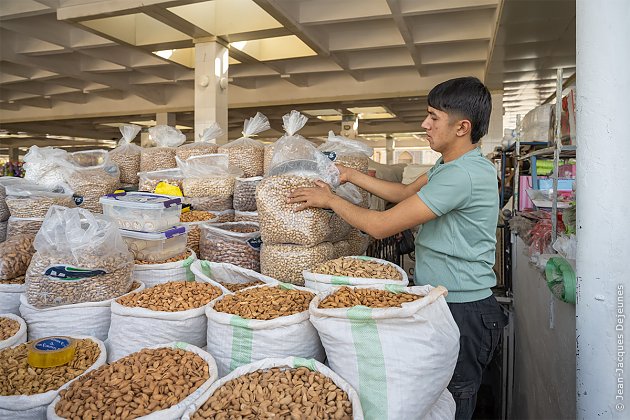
<point x="27" y="199"/>
<point x="25" y="225"/>
<point x="42" y="165"/>
<point x="236" y="243"/>
<point x="286" y="262"/>
<point x="209" y="176"/>
<point x="127" y="154"/>
<point x="81" y="257"/>
<point x="267" y="156"/>
<point x="162" y="156"/>
<point x="148" y="181"/>
<point x="347" y="152"/>
<point x="15" y="256"/>
<point x="245" y="193"/>
<point x="204" y="146"/>
<point x="246" y="153"/>
<point x="5" y="181"/>
<point x="246" y="216"/>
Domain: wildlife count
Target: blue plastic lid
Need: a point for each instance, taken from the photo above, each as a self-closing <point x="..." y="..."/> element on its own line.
<point x="155" y="236"/>
<point x="141" y="200"/>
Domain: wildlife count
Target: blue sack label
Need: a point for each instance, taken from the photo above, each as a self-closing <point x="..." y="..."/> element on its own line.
<point x="70" y="273"/>
<point x="255" y="243"/>
<point x="331" y="155"/>
<point x="78" y="199"/>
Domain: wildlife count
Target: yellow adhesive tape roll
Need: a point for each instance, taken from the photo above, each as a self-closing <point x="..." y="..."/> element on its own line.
<point x="49" y="352"/>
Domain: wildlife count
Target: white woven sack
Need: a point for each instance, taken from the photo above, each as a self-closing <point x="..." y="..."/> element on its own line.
<point x="132" y="329"/>
<point x="234" y="341"/>
<point x="213" y="273"/>
<point x="321" y="282"/>
<point x="174" y="412"/>
<point x="88" y="318"/>
<point x="10" y="298"/>
<point x="443" y="409"/>
<point x="19" y="337"/>
<point x="33" y="407"/>
<point x="152" y="274"/>
<point x="289" y="362"/>
<point x="399" y="360"/>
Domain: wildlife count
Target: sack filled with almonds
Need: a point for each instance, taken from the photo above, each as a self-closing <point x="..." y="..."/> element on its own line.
<point x="261" y="322"/>
<point x="193" y="219"/>
<point x="245" y="152"/>
<point x="15" y="256"/>
<point x="10" y="291"/>
<point x="12" y="331"/>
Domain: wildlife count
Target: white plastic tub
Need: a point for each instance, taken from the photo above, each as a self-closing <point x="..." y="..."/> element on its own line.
<point x="143" y="212"/>
<point x="156" y="246"/>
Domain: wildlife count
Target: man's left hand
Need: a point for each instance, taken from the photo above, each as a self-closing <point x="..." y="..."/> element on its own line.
<point x="320" y="196"/>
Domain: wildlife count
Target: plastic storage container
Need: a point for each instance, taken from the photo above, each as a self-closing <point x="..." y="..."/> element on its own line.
<point x="142" y="211"/>
<point x="156" y="246"/>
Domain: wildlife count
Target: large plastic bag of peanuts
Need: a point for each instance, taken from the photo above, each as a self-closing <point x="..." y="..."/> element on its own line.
<point x="162" y="156"/>
<point x="261" y="322"/>
<point x="166" y="312"/>
<point x="22" y="399"/>
<point x="167" y="379"/>
<point x="347" y="152"/>
<point x="163" y="272"/>
<point x="228" y="277"/>
<point x="247" y="153"/>
<point x="12" y="331"/>
<point x="206" y="144"/>
<point x="88" y="318"/>
<point x="81" y="257"/>
<point x="127" y="155"/>
<point x="231" y="242"/>
<point x="226" y="399"/>
<point x="396" y="346"/>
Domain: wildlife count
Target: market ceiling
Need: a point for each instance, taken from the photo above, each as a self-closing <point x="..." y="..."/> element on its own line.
<point x="79" y="68"/>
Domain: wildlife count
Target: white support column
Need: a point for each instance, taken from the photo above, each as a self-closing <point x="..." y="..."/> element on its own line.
<point x="350" y="126"/>
<point x="389" y="149"/>
<point x="495" y="129"/>
<point x="603" y="227"/>
<point x="165" y="118"/>
<point x="211" y="87"/>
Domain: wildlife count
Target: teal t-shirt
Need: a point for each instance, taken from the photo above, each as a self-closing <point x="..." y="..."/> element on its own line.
<point x="457" y="248"/>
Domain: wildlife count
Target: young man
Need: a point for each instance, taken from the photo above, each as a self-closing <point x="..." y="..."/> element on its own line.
<point x="457" y="204"/>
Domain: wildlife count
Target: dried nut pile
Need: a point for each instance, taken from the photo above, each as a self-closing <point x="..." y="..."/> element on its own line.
<point x="246" y="216"/>
<point x="196" y="216"/>
<point x="172" y="297"/>
<point x="18" y="378"/>
<point x="15" y="256"/>
<point x="248" y="158"/>
<point x="157" y="159"/>
<point x="148" y="182"/>
<point x="36" y="206"/>
<point x="17" y="280"/>
<point x="134" y="386"/>
<point x="355" y="267"/>
<point x="17" y="226"/>
<point x="92" y="184"/>
<point x="213" y="204"/>
<point x="181" y="257"/>
<point x="347" y="297"/>
<point x="267" y="156"/>
<point x="265" y="303"/>
<point x="217" y="186"/>
<point x="278" y="393"/>
<point x="128" y="163"/>
<point x="245" y="193"/>
<point x="354" y="162"/>
<point x="279" y="223"/>
<point x="220" y="247"/>
<point x="8" y="328"/>
<point x="199" y="148"/>
<point x="286" y="262"/>
<point x="235" y="287"/>
<point x="43" y="291"/>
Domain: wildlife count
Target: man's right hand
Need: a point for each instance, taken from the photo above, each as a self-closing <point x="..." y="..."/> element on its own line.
<point x="344" y="173"/>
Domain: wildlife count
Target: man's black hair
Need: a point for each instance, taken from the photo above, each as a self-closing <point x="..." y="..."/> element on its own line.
<point x="464" y="97"/>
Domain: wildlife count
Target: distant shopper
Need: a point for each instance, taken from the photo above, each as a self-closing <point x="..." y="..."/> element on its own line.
<point x="457" y="204"/>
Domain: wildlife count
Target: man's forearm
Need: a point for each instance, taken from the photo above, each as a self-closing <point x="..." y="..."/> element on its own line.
<point x="394" y="192"/>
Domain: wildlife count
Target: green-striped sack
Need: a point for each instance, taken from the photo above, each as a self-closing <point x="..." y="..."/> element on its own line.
<point x="322" y="282"/>
<point x="288" y="362"/>
<point x="399" y="360"/>
<point x="153" y="274"/>
<point x="234" y="341"/>
<point x="218" y="273"/>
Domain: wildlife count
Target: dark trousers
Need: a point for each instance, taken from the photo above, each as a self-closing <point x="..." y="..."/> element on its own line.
<point x="480" y="326"/>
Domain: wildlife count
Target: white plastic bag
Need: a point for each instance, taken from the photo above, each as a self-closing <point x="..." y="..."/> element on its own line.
<point x="10" y="298"/>
<point x="30" y="407"/>
<point x="19" y="337"/>
<point x="288" y="362"/>
<point x="88" y="318"/>
<point x="176" y="411"/>
<point x="152" y="274"/>
<point x="42" y="165"/>
<point x="234" y="341"/>
<point x="210" y="176"/>
<point x="6" y="181"/>
<point x="204" y="146"/>
<point x="347" y="152"/>
<point x="322" y="282"/>
<point x="246" y="153"/>
<point x="399" y="360"/>
<point x="127" y="154"/>
<point x="219" y="274"/>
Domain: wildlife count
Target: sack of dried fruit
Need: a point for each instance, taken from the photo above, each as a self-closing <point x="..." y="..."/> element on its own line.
<point x="354" y="271"/>
<point x="12" y="331"/>
<point x="246" y="153"/>
<point x="396" y="346"/>
<point x="206" y="145"/>
<point x="162" y="156"/>
<point x="173" y="269"/>
<point x="127" y="154"/>
<point x="228" y="277"/>
<point x="88" y="318"/>
<point x="157" y="383"/>
<point x="261" y="322"/>
<point x="81" y="257"/>
<point x="328" y="396"/>
<point x="29" y="393"/>
<point x="163" y="313"/>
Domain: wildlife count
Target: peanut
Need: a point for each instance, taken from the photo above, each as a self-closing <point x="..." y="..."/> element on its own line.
<point x="248" y="158"/>
<point x="134" y="386"/>
<point x="219" y="187"/>
<point x="267" y="156"/>
<point x="353" y="267"/>
<point x="172" y="297"/>
<point x="346" y="297"/>
<point x="295" y="393"/>
<point x="91" y="184"/>
<point x="8" y="328"/>
<point x="192" y="219"/>
<point x="21" y="379"/>
<point x="265" y="303"/>
<point x="181" y="257"/>
<point x="246" y="216"/>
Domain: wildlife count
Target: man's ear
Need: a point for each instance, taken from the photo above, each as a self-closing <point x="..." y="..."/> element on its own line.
<point x="464" y="128"/>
